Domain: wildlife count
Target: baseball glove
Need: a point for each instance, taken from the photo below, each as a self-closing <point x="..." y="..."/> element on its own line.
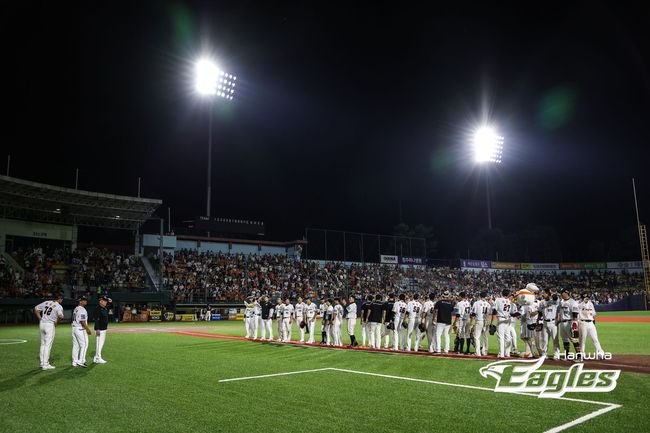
<point x="531" y="326"/>
<point x="405" y="325"/>
<point x="303" y="324"/>
<point x="390" y="326"/>
<point x="539" y="327"/>
<point x="421" y="327"/>
<point x="492" y="329"/>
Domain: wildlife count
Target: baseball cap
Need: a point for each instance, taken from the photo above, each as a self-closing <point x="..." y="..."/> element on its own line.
<point x="83" y="298"/>
<point x="565" y="291"/>
<point x="104" y="297"/>
<point x="446" y="293"/>
<point x="584" y="295"/>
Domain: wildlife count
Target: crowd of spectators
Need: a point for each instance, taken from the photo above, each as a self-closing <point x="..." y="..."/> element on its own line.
<point x="214" y="277"/>
<point x="47" y="271"/>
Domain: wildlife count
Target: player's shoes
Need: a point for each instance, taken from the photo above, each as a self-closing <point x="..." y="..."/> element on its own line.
<point x="82" y="365"/>
<point x="99" y="361"/>
<point x="48" y="367"/>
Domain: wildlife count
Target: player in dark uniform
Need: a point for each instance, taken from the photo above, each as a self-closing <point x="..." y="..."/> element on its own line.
<point x="387" y="318"/>
<point x="101" y="327"/>
<point x="365" y="325"/>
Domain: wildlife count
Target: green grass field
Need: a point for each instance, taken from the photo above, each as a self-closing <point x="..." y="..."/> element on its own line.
<point x="166" y="382"/>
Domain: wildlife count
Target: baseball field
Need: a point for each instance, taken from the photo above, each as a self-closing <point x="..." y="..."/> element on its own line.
<point x="200" y="377"/>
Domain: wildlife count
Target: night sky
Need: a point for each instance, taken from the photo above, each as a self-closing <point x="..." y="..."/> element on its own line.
<point x="342" y="111"/>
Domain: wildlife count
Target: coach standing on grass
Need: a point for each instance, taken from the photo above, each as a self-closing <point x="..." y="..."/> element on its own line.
<point x="101" y="326"/>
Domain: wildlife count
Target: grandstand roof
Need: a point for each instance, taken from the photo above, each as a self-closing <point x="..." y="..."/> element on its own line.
<point x="33" y="201"/>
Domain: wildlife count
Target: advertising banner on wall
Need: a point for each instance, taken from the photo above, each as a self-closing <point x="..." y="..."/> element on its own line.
<point x="421" y="261"/>
<point x="391" y="260"/>
<point x="595" y="265"/>
<point x="155" y="316"/>
<point x="506" y="265"/>
<point x="483" y="264"/>
<point x="540" y="266"/>
<point x="624" y="265"/>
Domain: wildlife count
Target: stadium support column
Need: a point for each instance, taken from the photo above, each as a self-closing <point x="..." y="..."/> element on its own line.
<point x="645" y="256"/>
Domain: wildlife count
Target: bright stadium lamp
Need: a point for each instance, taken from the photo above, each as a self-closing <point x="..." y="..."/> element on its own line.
<point x="488" y="145"/>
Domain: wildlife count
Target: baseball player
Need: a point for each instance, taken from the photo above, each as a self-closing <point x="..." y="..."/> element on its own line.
<point x="399" y="313"/>
<point x="387" y="317"/>
<point x="427" y="319"/>
<point x="48" y="314"/>
<point x="528" y="324"/>
<point x="101" y="328"/>
<point x="365" y="325"/>
<point x="337" y="321"/>
<point x="257" y="318"/>
<point x="249" y="316"/>
<point x="287" y="316"/>
<point x="442" y="312"/>
<point x="327" y="321"/>
<point x="279" y="314"/>
<point x="80" y="333"/>
<point x="374" y="317"/>
<point x="502" y="314"/>
<point x="462" y="322"/>
<point x="567" y="317"/>
<point x="514" y="315"/>
<point x="413" y="310"/>
<point x="481" y="310"/>
<point x="266" y="318"/>
<point x="311" y="311"/>
<point x="548" y="314"/>
<point x="299" y="316"/>
<point x="587" y="325"/>
<point x="322" y="310"/>
<point x="352" y="320"/>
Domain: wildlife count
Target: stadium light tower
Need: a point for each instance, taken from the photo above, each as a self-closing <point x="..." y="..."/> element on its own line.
<point x="488" y="149"/>
<point x="211" y="82"/>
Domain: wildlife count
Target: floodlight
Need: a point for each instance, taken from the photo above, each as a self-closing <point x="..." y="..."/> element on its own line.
<point x="488" y="145"/>
<point x="206" y="77"/>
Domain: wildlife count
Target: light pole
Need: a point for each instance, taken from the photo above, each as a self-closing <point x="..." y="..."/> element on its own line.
<point x="210" y="81"/>
<point x="488" y="149"/>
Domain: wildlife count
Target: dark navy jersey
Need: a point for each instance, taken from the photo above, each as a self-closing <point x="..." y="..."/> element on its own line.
<point x="388" y="308"/>
<point x="101" y="318"/>
<point x="375" y="312"/>
<point x="445" y="311"/>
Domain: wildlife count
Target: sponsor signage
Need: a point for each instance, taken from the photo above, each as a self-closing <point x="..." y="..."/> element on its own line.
<point x="483" y="264"/>
<point x="571" y="266"/>
<point x="169" y="316"/>
<point x="187" y="317"/>
<point x="624" y="265"/>
<point x="540" y="266"/>
<point x="597" y="265"/>
<point x="155" y="315"/>
<point x="412" y="260"/>
<point x="216" y="317"/>
<point x="392" y="260"/>
<point x="506" y="265"/>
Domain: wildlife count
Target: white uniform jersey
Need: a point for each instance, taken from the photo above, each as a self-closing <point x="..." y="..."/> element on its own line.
<point x="503" y="308"/>
<point x="329" y="312"/>
<point x="463" y="309"/>
<point x="249" y="311"/>
<point x="287" y="311"/>
<point x="322" y="308"/>
<point x="279" y="309"/>
<point x="338" y="310"/>
<point x="79" y="315"/>
<point x="427" y="309"/>
<point x="310" y="311"/>
<point x="481" y="310"/>
<point x="352" y="311"/>
<point x="527" y="314"/>
<point x="50" y="311"/>
<point x="548" y="309"/>
<point x="413" y="309"/>
<point x="586" y="311"/>
<point x="567" y="308"/>
<point x="257" y="309"/>
<point x="513" y="309"/>
<point x="300" y="311"/>
<point x="399" y="310"/>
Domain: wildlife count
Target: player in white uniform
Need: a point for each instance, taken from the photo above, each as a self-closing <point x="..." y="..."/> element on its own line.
<point x="327" y="321"/>
<point x="399" y="313"/>
<point x="249" y="316"/>
<point x="587" y="325"/>
<point x="514" y="315"/>
<point x="413" y="310"/>
<point x="311" y="311"/>
<point x="501" y="313"/>
<point x="257" y="318"/>
<point x="279" y="311"/>
<point x="567" y="318"/>
<point x="80" y="333"/>
<point x="287" y="315"/>
<point x="322" y="309"/>
<point x="548" y="311"/>
<point x="337" y="322"/>
<point x="48" y="314"/>
<point x="427" y="319"/>
<point x="480" y="313"/>
<point x="352" y="320"/>
<point x="462" y="322"/>
<point x="299" y="316"/>
<point x="528" y="323"/>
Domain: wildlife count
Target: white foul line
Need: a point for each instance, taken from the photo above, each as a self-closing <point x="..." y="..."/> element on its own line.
<point x="608" y="406"/>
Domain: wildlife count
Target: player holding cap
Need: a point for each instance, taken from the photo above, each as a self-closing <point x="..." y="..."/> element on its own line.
<point x="249" y="316"/>
<point x="387" y="317"/>
<point x="587" y="325"/>
<point x="322" y="310"/>
<point x="80" y="333"/>
<point x="501" y="313"/>
<point x="413" y="310"/>
<point x="101" y="327"/>
<point x="462" y="322"/>
<point x="548" y="311"/>
<point x="287" y="314"/>
<point x="299" y="316"/>
<point x="337" y="320"/>
<point x="48" y="314"/>
<point x="311" y="311"/>
<point x="399" y="312"/>
<point x="567" y="317"/>
<point x="352" y="320"/>
<point x="267" y="317"/>
<point x="427" y="319"/>
<point x="279" y="311"/>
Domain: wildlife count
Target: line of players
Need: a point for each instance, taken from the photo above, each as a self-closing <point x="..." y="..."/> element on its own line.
<point x="548" y="319"/>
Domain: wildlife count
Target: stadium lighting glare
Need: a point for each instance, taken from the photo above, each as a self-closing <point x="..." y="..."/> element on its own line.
<point x="207" y="77"/>
<point x="488" y="145"/>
